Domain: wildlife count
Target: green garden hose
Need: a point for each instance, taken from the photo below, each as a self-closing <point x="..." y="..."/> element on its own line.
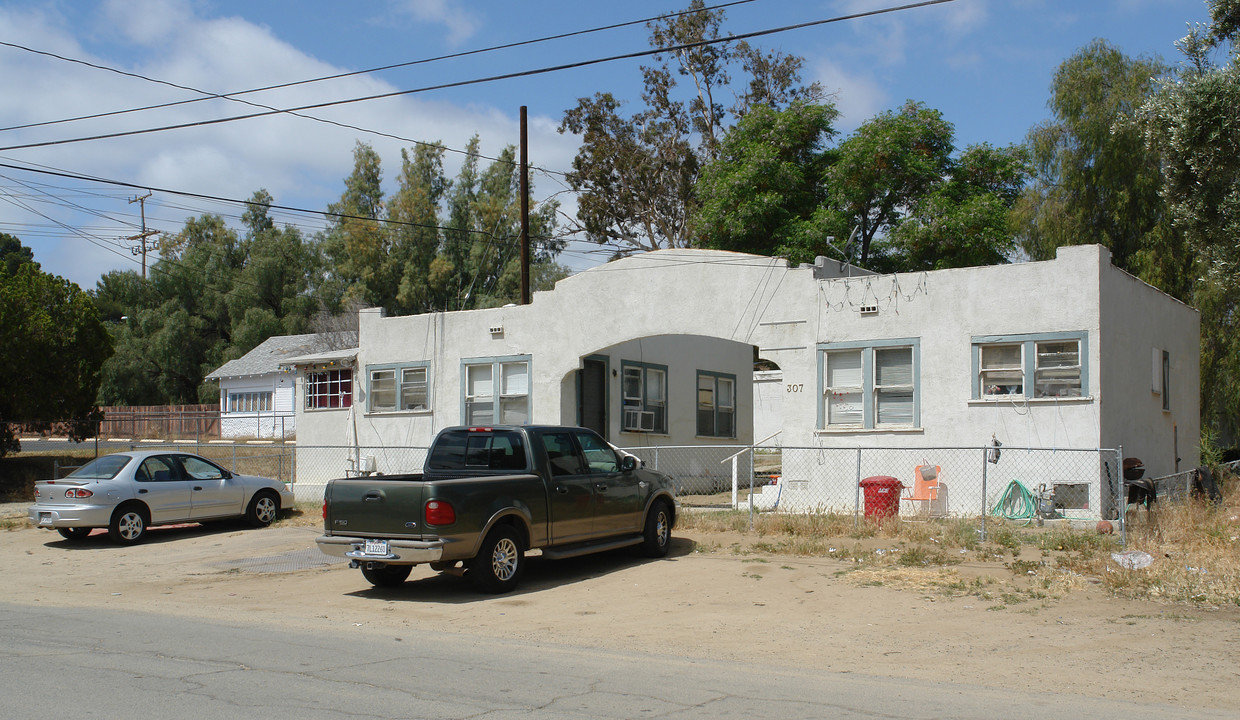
<point x="1016" y="503"/>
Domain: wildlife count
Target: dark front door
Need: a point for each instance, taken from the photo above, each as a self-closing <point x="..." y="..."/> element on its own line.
<point x="592" y="396"/>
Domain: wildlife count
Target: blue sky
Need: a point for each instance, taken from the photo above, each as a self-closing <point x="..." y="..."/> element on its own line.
<point x="986" y="64"/>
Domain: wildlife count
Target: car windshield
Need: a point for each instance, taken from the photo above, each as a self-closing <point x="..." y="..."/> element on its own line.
<point x="102" y="468"/>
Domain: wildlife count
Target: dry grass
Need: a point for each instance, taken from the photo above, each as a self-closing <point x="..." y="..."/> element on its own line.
<point x="1196" y="553"/>
<point x="1195" y="546"/>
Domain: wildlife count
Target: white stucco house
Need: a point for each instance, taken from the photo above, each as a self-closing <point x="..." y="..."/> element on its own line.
<point x="658" y="349"/>
<point x="256" y="392"/>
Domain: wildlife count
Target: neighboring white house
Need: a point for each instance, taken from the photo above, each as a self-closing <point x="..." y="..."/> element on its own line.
<point x="256" y="393"/>
<point x="658" y="350"/>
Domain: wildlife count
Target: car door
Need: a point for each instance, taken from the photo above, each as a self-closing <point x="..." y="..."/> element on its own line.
<point x="570" y="489"/>
<point x="212" y="492"/>
<point x="619" y="497"/>
<point x="164" y="490"/>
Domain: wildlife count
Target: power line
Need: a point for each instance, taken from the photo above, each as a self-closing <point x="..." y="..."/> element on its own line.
<point x="479" y="81"/>
<point x="44" y="170"/>
<point x="233" y="97"/>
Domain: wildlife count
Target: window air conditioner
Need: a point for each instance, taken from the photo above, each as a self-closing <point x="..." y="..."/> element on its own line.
<point x="638" y="420"/>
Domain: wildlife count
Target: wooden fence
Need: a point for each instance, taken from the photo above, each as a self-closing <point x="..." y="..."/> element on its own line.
<point x="161" y="421"/>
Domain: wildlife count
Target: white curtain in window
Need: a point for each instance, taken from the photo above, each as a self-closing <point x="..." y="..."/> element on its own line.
<point x="893" y="391"/>
<point x="844" y="378"/>
<point x="478" y="381"/>
<point x="515" y="378"/>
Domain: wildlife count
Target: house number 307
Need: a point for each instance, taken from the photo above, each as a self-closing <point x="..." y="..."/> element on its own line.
<point x="796" y="387"/>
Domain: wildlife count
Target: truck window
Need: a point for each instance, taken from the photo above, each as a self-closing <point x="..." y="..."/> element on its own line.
<point x="463" y="449"/>
<point x="562" y="457"/>
<point x="600" y="458"/>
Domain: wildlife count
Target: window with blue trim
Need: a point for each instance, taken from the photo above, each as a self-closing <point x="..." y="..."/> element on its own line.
<point x="716" y="404"/>
<point x="869" y="385"/>
<point x="644" y="397"/>
<point x="1030" y="366"/>
<point x="400" y="387"/>
<point x="496" y="392"/>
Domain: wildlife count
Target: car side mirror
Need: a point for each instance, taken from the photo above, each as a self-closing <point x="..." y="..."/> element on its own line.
<point x="227" y="475"/>
<point x="628" y="463"/>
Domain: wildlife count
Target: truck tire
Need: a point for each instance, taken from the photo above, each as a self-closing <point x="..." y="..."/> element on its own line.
<point x="500" y="561"/>
<point x="387" y="576"/>
<point x="657" y="535"/>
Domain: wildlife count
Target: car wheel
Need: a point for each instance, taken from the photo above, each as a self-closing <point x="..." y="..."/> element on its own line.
<point x="128" y="525"/>
<point x="500" y="562"/>
<point x="657" y="535"/>
<point x="263" y="509"/>
<point x="386" y="576"/>
<point x="74" y="533"/>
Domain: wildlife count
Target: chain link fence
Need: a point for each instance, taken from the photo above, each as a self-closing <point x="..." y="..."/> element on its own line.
<point x="970" y="482"/>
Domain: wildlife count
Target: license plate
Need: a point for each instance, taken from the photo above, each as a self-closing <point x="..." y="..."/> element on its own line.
<point x="375" y="547"/>
<point x="45" y="518"/>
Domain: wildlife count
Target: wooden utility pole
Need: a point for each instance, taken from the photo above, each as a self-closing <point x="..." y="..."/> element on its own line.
<point x="525" y="214"/>
<point x="142" y="248"/>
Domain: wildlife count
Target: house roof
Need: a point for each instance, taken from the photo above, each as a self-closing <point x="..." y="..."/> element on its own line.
<point x="278" y="350"/>
<point x="318" y="358"/>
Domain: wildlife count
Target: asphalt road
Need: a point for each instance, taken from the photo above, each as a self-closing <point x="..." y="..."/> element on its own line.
<point x="82" y="662"/>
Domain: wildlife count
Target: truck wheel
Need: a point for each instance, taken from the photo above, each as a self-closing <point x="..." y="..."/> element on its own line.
<point x="387" y="576"/>
<point x="657" y="536"/>
<point x="499" y="563"/>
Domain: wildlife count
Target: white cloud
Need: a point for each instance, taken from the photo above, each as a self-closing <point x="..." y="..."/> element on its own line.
<point x="460" y="23"/>
<point x="147" y="22"/>
<point x="857" y="96"/>
<point x="301" y="162"/>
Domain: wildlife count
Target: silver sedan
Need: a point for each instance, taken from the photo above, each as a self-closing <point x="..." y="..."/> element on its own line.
<point x="130" y="491"/>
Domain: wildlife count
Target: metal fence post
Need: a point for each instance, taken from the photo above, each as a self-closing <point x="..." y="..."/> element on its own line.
<point x="857" y="492"/>
<point x="1121" y="502"/>
<point x="985" y="471"/>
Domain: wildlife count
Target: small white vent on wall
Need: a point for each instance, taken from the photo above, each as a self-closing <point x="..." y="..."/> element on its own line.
<point x="869" y="309"/>
<point x="497" y="329"/>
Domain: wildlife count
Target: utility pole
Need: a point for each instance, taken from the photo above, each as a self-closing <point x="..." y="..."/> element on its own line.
<point x="525" y="213"/>
<point x="142" y="248"/>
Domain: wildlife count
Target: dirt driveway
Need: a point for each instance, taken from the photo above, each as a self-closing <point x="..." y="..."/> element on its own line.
<point x="702" y="601"/>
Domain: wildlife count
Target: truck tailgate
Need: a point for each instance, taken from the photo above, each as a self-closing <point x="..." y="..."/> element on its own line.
<point x="387" y="506"/>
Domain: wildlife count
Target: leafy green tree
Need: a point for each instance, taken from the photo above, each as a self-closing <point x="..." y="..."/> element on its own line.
<point x="636" y="172"/>
<point x="356" y="243"/>
<point x="271" y="293"/>
<point x="13" y="254"/>
<point x="414" y="210"/>
<point x="485" y="224"/>
<point x="1095" y="179"/>
<point x="1192" y="123"/>
<point x="54" y="348"/>
<point x="888" y="163"/>
<point x="761" y="193"/>
<point x="964" y="221"/>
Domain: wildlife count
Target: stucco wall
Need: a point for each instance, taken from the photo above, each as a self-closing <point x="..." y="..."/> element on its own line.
<point x="705" y="309"/>
<point x="1137" y="319"/>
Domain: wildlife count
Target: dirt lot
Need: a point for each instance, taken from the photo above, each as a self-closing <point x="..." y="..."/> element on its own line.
<point x="704" y="600"/>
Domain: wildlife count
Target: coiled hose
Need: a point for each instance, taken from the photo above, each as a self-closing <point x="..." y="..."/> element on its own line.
<point x="1016" y="503"/>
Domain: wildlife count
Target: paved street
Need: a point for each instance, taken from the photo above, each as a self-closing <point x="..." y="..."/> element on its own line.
<point x="68" y="662"/>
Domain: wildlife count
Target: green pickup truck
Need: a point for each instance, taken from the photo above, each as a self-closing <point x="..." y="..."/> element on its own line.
<point x="486" y="495"/>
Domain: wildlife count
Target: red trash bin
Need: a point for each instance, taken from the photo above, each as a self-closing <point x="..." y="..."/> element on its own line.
<point x="882" y="496"/>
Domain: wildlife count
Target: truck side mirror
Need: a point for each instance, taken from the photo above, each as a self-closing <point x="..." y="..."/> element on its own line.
<point x="628" y="463"/>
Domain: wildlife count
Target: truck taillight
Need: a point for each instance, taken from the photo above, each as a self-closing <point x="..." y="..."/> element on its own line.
<point x="439" y="512"/>
<point x="78" y="493"/>
<point x="324" y="509"/>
